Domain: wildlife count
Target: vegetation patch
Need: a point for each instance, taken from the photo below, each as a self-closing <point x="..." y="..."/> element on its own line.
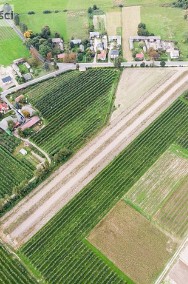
<point x="129" y="240"/>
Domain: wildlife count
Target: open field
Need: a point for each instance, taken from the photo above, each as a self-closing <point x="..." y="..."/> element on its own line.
<point x="130" y="19"/>
<point x="135" y="246"/>
<point x="131" y="91"/>
<point x="58" y="251"/>
<point x="10" y="39"/>
<point x="12" y="271"/>
<point x="113" y="22"/>
<point x="83" y="105"/>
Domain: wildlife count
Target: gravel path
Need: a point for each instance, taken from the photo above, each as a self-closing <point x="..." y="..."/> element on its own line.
<point x="33" y="212"/>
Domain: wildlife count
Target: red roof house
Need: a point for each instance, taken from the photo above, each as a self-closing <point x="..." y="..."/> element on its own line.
<point x="140" y="56"/>
<point x="31" y="122"/>
<point x="61" y="56"/>
<point x="102" y="55"/>
<point x="3" y="107"/>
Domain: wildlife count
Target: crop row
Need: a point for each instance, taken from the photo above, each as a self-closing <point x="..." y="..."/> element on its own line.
<point x="76" y="110"/>
<point x="8" y="142"/>
<point x="12" y="271"/>
<point x="12" y="172"/>
<point x="58" y="250"/>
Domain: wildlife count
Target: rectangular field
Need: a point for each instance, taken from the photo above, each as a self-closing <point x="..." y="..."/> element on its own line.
<point x="161" y="194"/>
<point x="135" y="246"/>
<point x="11" y="46"/>
<point x="113" y="22"/>
<point x="58" y="251"/>
<point x="130" y="19"/>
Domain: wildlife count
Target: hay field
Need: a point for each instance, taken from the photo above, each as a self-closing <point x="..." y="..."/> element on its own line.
<point x="130" y="242"/>
<point x="135" y="84"/>
<point x="162" y="193"/>
<point x="130" y="20"/>
<point x="113" y="22"/>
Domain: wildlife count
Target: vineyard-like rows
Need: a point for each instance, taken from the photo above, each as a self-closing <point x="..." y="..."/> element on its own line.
<point x="58" y="251"/>
<point x="12" y="271"/>
<point x="12" y="172"/>
<point x="8" y="142"/>
<point x="74" y="107"/>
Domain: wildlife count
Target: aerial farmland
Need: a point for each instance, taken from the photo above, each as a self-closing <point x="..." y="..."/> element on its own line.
<point x="94" y="142"/>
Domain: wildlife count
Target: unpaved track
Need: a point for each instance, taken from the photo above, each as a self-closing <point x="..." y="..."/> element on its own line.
<point x="21" y="223"/>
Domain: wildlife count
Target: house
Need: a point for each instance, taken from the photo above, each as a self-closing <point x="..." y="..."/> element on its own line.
<point x="174" y="54"/>
<point x="16" y="69"/>
<point x="76" y="41"/>
<point x="140" y="56"/>
<point x="19" y="60"/>
<point x="58" y="42"/>
<point x="92" y="35"/>
<point x="61" y="55"/>
<point x="27" y="65"/>
<point x="30" y="123"/>
<point x="7" y="80"/>
<point x="102" y="55"/>
<point x="27" y="76"/>
<point x="23" y="152"/>
<point x="4" y="122"/>
<point x="3" y="107"/>
<point x="19" y="98"/>
<point x="116" y="39"/>
<point x="98" y="44"/>
<point x="114" y="53"/>
<point x="81" y="47"/>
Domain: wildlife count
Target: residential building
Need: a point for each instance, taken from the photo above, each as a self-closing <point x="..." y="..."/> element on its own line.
<point x="114" y="53"/>
<point x="92" y="35"/>
<point x="58" y="42"/>
<point x="102" y="55"/>
<point x="3" y="107"/>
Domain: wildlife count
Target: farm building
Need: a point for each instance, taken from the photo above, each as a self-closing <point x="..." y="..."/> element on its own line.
<point x="3" y="107"/>
<point x="92" y="35"/>
<point x="76" y="41"/>
<point x="7" y="80"/>
<point x="116" y="39"/>
<point x="58" y="42"/>
<point x="30" y="123"/>
<point x="114" y="53"/>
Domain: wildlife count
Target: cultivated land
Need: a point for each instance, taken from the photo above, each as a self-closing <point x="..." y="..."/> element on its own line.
<point x="135" y="85"/>
<point x="89" y="162"/>
<point x="82" y="106"/>
<point x="135" y="246"/>
<point x="12" y="271"/>
<point x="13" y="172"/>
<point x="130" y="20"/>
<point x="11" y="46"/>
<point x="161" y="194"/>
<point x="58" y="251"/>
<point x="113" y="22"/>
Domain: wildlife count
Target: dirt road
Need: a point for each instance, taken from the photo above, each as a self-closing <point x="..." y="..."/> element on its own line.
<point x="33" y="212"/>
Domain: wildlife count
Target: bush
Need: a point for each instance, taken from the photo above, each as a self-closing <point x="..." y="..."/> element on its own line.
<point x="47" y="12"/>
<point x="31" y="13"/>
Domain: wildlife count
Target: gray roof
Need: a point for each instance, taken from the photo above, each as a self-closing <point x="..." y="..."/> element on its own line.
<point x="76" y="41"/>
<point x="27" y="76"/>
<point x="7" y="79"/>
<point x="114" y="52"/>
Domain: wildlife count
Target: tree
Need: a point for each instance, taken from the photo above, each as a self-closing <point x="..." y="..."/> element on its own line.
<point x="162" y="63"/>
<point x="95" y="7"/>
<point x="16" y="19"/>
<point x="45" y="32"/>
<point x="25" y="113"/>
<point x="46" y="66"/>
<point x="11" y="125"/>
<point x="142" y="25"/>
<point x="23" y="27"/>
<point x="90" y="10"/>
<point x="153" y="54"/>
<point x="44" y="49"/>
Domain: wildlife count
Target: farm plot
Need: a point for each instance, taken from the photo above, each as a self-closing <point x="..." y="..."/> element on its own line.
<point x="8" y="39"/>
<point x="12" y="271"/>
<point x="113" y="23"/>
<point x="131" y="92"/>
<point x="58" y="250"/>
<point x="130" y="20"/>
<point x="135" y="246"/>
<point x="13" y="172"/>
<point x="161" y="194"/>
<point x="74" y="108"/>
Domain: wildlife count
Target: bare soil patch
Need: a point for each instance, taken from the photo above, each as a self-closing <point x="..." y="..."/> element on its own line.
<point x="130" y="20"/>
<point x="132" y="243"/>
<point x="113" y="22"/>
<point x="136" y="84"/>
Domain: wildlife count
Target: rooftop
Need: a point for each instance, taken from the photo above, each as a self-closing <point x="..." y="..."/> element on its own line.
<point x="6" y="79"/>
<point x="34" y="120"/>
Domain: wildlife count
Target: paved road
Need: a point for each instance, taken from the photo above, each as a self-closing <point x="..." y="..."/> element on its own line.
<point x="62" y="68"/>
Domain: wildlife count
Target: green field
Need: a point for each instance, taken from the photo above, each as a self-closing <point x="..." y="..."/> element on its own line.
<point x="74" y="105"/>
<point x="12" y="271"/>
<point x="59" y="251"/>
<point x="11" y="46"/>
<point x="13" y="172"/>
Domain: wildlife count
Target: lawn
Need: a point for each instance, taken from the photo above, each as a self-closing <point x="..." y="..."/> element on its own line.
<point x="58" y="250"/>
<point x="124" y="236"/>
<point x="11" y="46"/>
